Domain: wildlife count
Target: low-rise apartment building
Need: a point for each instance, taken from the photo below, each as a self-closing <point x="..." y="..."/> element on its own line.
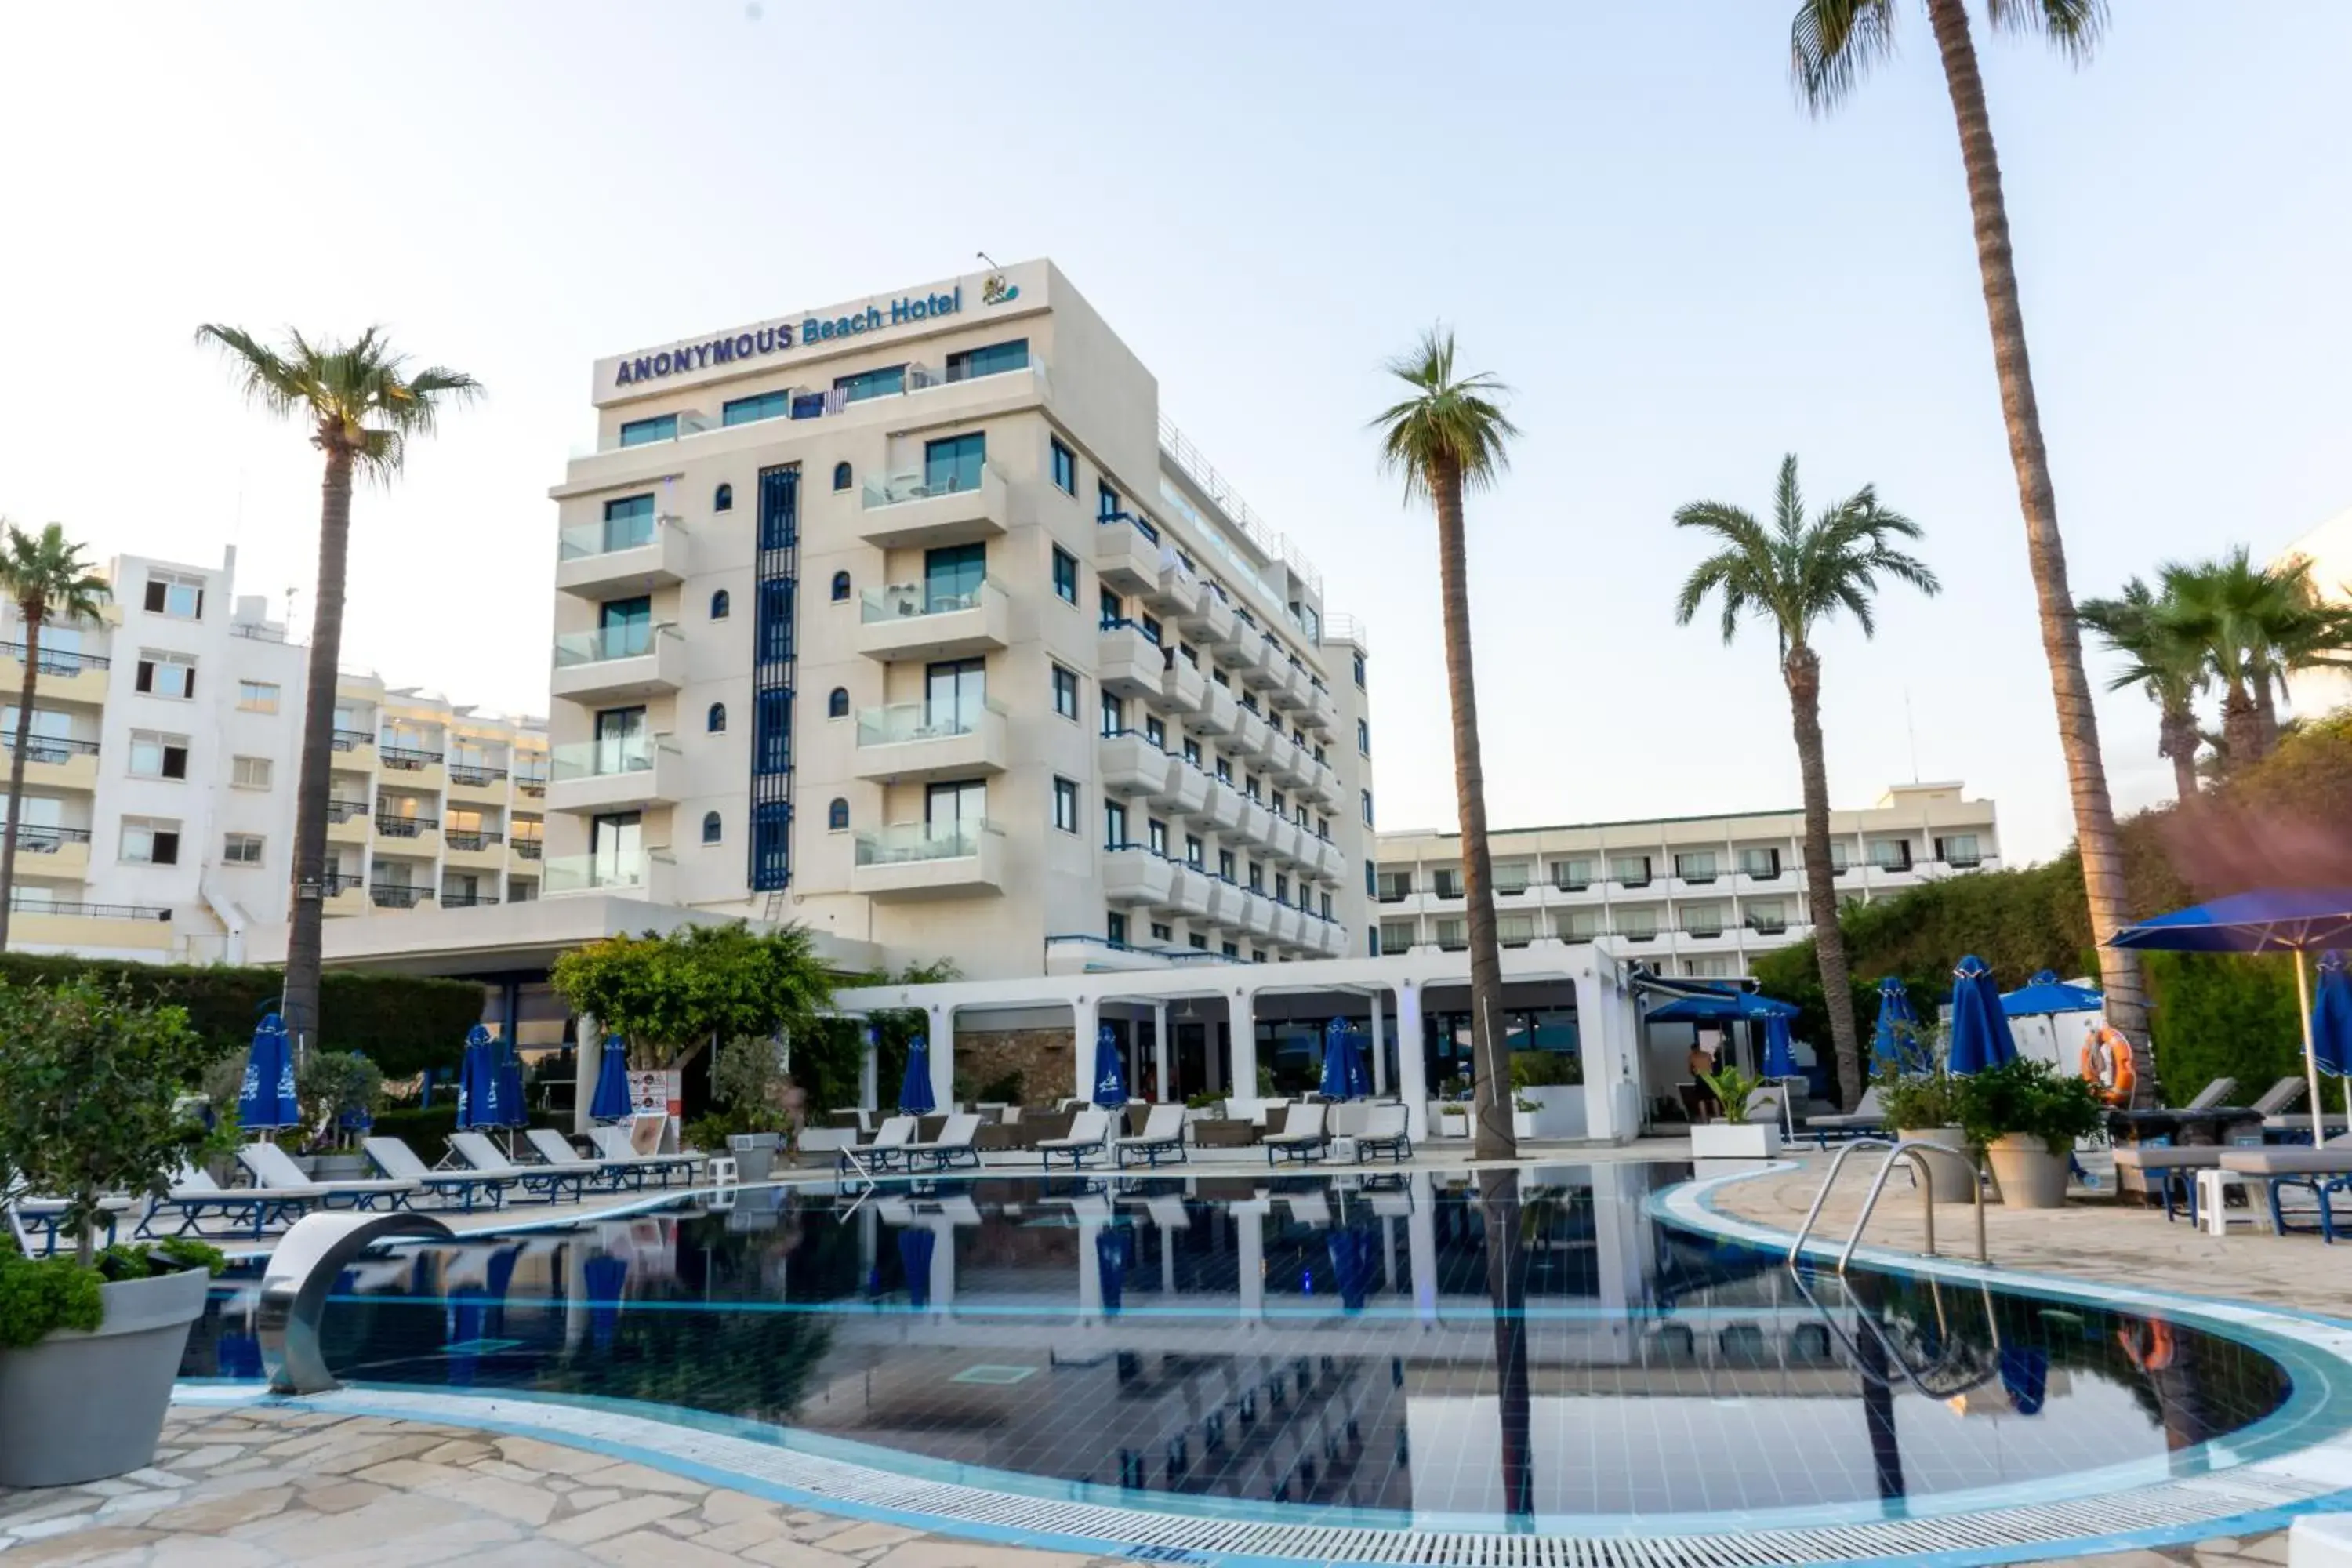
<point x="1688" y="896"/>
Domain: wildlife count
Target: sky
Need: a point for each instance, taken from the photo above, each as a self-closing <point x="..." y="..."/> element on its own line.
<point x="1621" y="210"/>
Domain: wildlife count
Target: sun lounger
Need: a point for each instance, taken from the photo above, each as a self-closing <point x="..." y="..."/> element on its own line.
<point x="1302" y="1138"/>
<point x="885" y="1150"/>
<point x="1864" y="1119"/>
<point x="399" y="1161"/>
<point x="618" y="1146"/>
<point x="194" y="1195"/>
<point x="2212" y="1094"/>
<point x="43" y="1216"/>
<point x="546" y="1179"/>
<point x="1386" y="1132"/>
<point x="954" y="1143"/>
<point x="1089" y="1135"/>
<point x="2169" y="1170"/>
<point x="1163" y="1138"/>
<point x="273" y="1168"/>
<point x="2324" y="1170"/>
<point x="555" y="1150"/>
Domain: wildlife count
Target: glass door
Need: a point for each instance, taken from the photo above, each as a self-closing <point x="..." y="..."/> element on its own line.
<point x="954" y="812"/>
<point x="625" y="627"/>
<point x="616" y="844"/>
<point x="952" y="575"/>
<point x="953" y="697"/>
<point x="621" y="740"/>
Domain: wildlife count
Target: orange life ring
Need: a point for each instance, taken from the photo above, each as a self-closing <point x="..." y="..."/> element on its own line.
<point x="2107" y="1066"/>
<point x="2148" y="1347"/>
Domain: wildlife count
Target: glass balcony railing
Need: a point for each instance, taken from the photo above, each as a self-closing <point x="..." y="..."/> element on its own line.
<point x="903" y="721"/>
<point x="631" y="639"/>
<point x="910" y="843"/>
<point x="608" y="536"/>
<point x="582" y="873"/>
<point x="944" y="479"/>
<point x="605" y="758"/>
<point x="907" y="599"/>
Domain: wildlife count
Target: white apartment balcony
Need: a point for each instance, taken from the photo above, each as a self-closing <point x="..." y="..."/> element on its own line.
<point x="1255" y="821"/>
<point x="1219" y="711"/>
<point x="1267" y="667"/>
<point x="1133" y="765"/>
<point x="617" y="663"/>
<point x="609" y="872"/>
<point x="1128" y="663"/>
<point x="1226" y="807"/>
<point x="1317" y="785"/>
<point x="1212" y="622"/>
<point x="1328" y="863"/>
<point x="911" y="860"/>
<point x="1182" y="686"/>
<point x="473" y="849"/>
<point x="476" y="781"/>
<point x="1292" y="763"/>
<point x="1249" y="733"/>
<point x="907" y="512"/>
<point x="1291" y="694"/>
<point x="1322" y="708"/>
<point x="1282" y="839"/>
<point x="1224" y="902"/>
<point x="915" y="741"/>
<point x="1331" y="938"/>
<point x="65" y="674"/>
<point x="627" y="773"/>
<point x="347" y="820"/>
<point x="1257" y="912"/>
<point x="615" y="558"/>
<point x="1188" y="892"/>
<point x="50" y="853"/>
<point x="910" y="623"/>
<point x="1177" y="592"/>
<point x="1187" y="794"/>
<point x="1134" y="875"/>
<point x="55" y="762"/>
<point x="1126" y="557"/>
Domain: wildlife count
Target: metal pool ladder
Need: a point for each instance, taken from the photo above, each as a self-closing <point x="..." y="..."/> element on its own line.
<point x="1915" y="1150"/>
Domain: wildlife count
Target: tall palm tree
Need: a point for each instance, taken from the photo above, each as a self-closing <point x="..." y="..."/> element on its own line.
<point x="1796" y="574"/>
<point x="43" y="575"/>
<point x="1448" y="436"/>
<point x="2301" y="631"/>
<point x="2227" y="609"/>
<point x="1832" y="44"/>
<point x="2163" y="658"/>
<point x="363" y="408"/>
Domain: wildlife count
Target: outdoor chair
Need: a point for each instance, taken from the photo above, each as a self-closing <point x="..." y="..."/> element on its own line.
<point x="1089" y="1135"/>
<point x="397" y="1161"/>
<point x="1385" y="1131"/>
<point x="1862" y="1121"/>
<point x="2169" y="1170"/>
<point x="193" y="1195"/>
<point x="1163" y="1137"/>
<point x="43" y="1216"/>
<point x="2212" y="1094"/>
<point x="618" y="1146"/>
<point x="545" y="1180"/>
<point x="273" y="1169"/>
<point x="2324" y="1170"/>
<point x="2280" y="1120"/>
<point x="956" y="1143"/>
<point x="555" y="1150"/>
<point x="1303" y="1137"/>
<point x="882" y="1150"/>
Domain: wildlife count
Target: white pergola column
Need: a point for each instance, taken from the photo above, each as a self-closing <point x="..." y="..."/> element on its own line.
<point x="1160" y="1049"/>
<point x="1420" y="1245"/>
<point x="1249" y="1257"/>
<point x="1085" y="1019"/>
<point x="1380" y="1049"/>
<point x="1412" y="1069"/>
<point x="587" y="1063"/>
<point x="1612" y="1099"/>
<point x="942" y="1041"/>
<point x="869" y="1070"/>
<point x="1244" y="1029"/>
<point x="943" y="1265"/>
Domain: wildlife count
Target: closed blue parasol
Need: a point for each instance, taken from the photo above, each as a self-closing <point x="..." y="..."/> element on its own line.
<point x="1353" y="1260"/>
<point x="604" y="1278"/>
<point x="2045" y="993"/>
<point x="1344" y="1077"/>
<point x="2300" y="921"/>
<point x="1110" y="1073"/>
<point x="916" y="1243"/>
<point x="479" y="1093"/>
<point x="2331" y="1024"/>
<point x="1778" y="1061"/>
<point x="1890" y="1045"/>
<point x="1981" y="1036"/>
<point x="1114" y="1253"/>
<point x="914" y="1087"/>
<point x="611" y="1101"/>
<point x="511" y="1111"/>
<point x="266" y="1099"/>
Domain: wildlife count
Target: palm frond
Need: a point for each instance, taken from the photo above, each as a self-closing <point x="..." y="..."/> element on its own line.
<point x="2073" y="26"/>
<point x="1452" y="426"/>
<point x="1832" y="43"/>
<point x="356" y="394"/>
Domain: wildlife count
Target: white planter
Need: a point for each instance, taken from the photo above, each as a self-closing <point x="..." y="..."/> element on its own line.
<point x="2031" y="1176"/>
<point x="1558" y="1112"/>
<point x="1735" y="1140"/>
<point x="1453" y="1121"/>
<point x="77" y="1407"/>
<point x="1949" y="1180"/>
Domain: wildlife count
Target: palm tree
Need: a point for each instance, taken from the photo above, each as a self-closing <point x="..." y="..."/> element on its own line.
<point x="2301" y="631"/>
<point x="2228" y="609"/>
<point x="1831" y="43"/>
<point x="45" y="576"/>
<point x="362" y="408"/>
<point x="2162" y="656"/>
<point x="1796" y="574"/>
<point x="1451" y="436"/>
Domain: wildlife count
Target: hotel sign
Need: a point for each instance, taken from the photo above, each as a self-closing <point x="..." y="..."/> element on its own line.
<point x="778" y="337"/>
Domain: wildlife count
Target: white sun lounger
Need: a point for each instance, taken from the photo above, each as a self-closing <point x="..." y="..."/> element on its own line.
<point x="884" y="1150"/>
<point x="1163" y="1138"/>
<point x="194" y="1195"/>
<point x="45" y="1216"/>
<point x="2326" y="1169"/>
<point x="1089" y="1135"/>
<point x="1303" y="1136"/>
<point x="953" y="1145"/>
<point x="272" y="1168"/>
<point x="555" y="1151"/>
<point x="613" y="1143"/>
<point x="545" y="1179"/>
<point x="1386" y="1132"/>
<point x="399" y="1161"/>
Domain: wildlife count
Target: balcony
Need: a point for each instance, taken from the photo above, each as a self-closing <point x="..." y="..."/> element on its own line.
<point x="397" y="834"/>
<point x="1126" y="662"/>
<point x="414" y="768"/>
<point x="1225" y="806"/>
<point x="49" y="922"/>
<point x="622" y="773"/>
<point x="397" y="895"/>
<point x="916" y="742"/>
<point x="1257" y="912"/>
<point x="1291" y="762"/>
<point x="471" y="849"/>
<point x="1327" y="862"/>
<point x="1289" y="692"/>
<point x="1176" y="593"/>
<point x="1188" y="892"/>
<point x="1285" y="925"/>
<point x="358" y="746"/>
<point x="1212" y="621"/>
<point x="1133" y="875"/>
<point x="533" y="782"/>
<point x="1267" y="665"/>
<point x="527" y="851"/>
<point x="1322" y="708"/>
<point x="621" y="558"/>
<point x="1182" y="686"/>
<point x="61" y="854"/>
<point x="1132" y="766"/>
<point x="1219" y="711"/>
<point x="1282" y="838"/>
<point x="346" y="894"/>
<point x="347" y="821"/>
<point x="479" y="780"/>
<point x="617" y="663"/>
<point x="64" y="676"/>
<point x="1225" y="900"/>
<point x="53" y="762"/>
<point x="1249" y="733"/>
<point x="1128" y="554"/>
<point x="1768" y="925"/>
<point x="910" y="623"/>
<point x="609" y="872"/>
<point x="1255" y="821"/>
<point x="908" y="511"/>
<point x="912" y="860"/>
<point x="456" y="899"/>
<point x="1187" y="794"/>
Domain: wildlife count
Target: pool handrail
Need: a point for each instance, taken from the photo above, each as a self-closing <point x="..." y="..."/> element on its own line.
<point x="1915" y="1150"/>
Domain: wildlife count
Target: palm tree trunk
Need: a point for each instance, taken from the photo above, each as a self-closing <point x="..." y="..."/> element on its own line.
<point x="1494" y="1139"/>
<point x="1506" y="1287"/>
<point x="23" y="743"/>
<point x="2178" y="730"/>
<point x="303" y="936"/>
<point x="1802" y="670"/>
<point x="2240" y="727"/>
<point x="2078" y="723"/>
<point x="2267" y="716"/>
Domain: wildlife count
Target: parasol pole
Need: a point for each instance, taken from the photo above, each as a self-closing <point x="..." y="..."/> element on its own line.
<point x="2310" y="1057"/>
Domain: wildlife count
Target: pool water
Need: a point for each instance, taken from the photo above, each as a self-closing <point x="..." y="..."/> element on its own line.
<point x="1451" y="1350"/>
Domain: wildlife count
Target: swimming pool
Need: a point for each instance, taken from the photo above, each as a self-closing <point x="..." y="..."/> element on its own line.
<point x="1530" y="1355"/>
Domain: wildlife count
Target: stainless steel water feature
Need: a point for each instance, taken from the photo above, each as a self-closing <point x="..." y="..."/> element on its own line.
<point x="299" y="1276"/>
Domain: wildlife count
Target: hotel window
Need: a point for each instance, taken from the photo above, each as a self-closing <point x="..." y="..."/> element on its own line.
<point x="1066" y="693"/>
<point x="1189" y="654"/>
<point x="1639" y="924"/>
<point x="1571" y="876"/>
<point x="251" y="772"/>
<point x="842" y="477"/>
<point x="1114" y="714"/>
<point x="1195" y="852"/>
<point x="759" y="405"/>
<point x="1633" y="870"/>
<point x="1958" y="849"/>
<point x="166" y="673"/>
<point x="1224" y="770"/>
<point x="1761" y="863"/>
<point x="1191" y="751"/>
<point x="1511" y="877"/>
<point x="1109" y="607"/>
<point x="1578" y="925"/>
<point x="723" y="498"/>
<point x="1065" y="575"/>
<point x="1106" y="503"/>
<point x="711" y="830"/>
<point x="1696" y="866"/>
<point x="1155" y="833"/>
<point x="154" y="756"/>
<point x="888" y="381"/>
<point x="1066" y="468"/>
<point x="715" y="721"/>
<point x="1360" y="672"/>
<point x="1162" y="932"/>
<point x="257" y="695"/>
<point x="170" y="593"/>
<point x="628" y="523"/>
<point x="1326" y="906"/>
<point x="1115" y="928"/>
<point x="1280" y="807"/>
<point x="837" y="706"/>
<point x="151" y="841"/>
<point x="1368" y="806"/>
<point x="1151" y="628"/>
<point x="1198" y="942"/>
<point x="1371" y="881"/>
<point x="1230" y="949"/>
<point x="1281" y="887"/>
<point x="1066" y="805"/>
<point x="1364" y="737"/>
<point x="841" y="587"/>
<point x="1891" y="854"/>
<point x="1453" y="935"/>
<point x="837" y="815"/>
<point x="1256" y="877"/>
<point x="1703" y="919"/>
<point x="993" y="360"/>
<point x="1224" y="865"/>
<point x="1114" y="825"/>
<point x="1155" y="731"/>
<point x="241" y="849"/>
<point x="639" y="432"/>
<point x="719" y="605"/>
<point x="1445" y="881"/>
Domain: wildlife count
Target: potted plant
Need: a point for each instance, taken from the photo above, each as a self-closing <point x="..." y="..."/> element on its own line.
<point x="340" y="1093"/>
<point x="2026" y="1115"/>
<point x="1453" y="1118"/>
<point x="1735" y="1137"/>
<point x="1924" y="1107"/>
<point x="91" y="1088"/>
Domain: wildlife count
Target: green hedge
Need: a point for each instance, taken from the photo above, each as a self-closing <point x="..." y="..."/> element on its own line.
<point x="404" y="1024"/>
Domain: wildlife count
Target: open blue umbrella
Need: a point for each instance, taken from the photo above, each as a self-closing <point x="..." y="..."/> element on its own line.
<point x="1344" y="1077"/>
<point x="914" y="1087"/>
<point x="1778" y="1061"/>
<point x="478" y="1094"/>
<point x="2301" y="920"/>
<point x="1981" y="1036"/>
<point x="915" y="1245"/>
<point x="1718" y="1008"/>
<point x="611" y="1101"/>
<point x="2331" y="1025"/>
<point x="1110" y="1074"/>
<point x="1888" y="1047"/>
<point x="2045" y="993"/>
<point x="266" y="1099"/>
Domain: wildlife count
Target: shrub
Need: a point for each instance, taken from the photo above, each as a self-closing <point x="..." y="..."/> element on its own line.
<point x="330" y="1083"/>
<point x="1732" y="1089"/>
<point x="2029" y="1099"/>
<point x="424" y="1128"/>
<point x="1005" y="1087"/>
<point x="1926" y="1100"/>
<point x="1539" y="1070"/>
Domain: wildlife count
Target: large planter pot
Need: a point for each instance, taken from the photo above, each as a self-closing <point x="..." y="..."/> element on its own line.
<point x="1453" y="1121"/>
<point x="2031" y="1176"/>
<point x="340" y="1168"/>
<point x="81" y="1406"/>
<point x="755" y="1154"/>
<point x="1949" y="1180"/>
<point x="1558" y="1112"/>
<point x="1735" y="1140"/>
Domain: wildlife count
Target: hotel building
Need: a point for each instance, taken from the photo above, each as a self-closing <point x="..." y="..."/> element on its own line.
<point x="913" y="620"/>
<point x="1688" y="896"/>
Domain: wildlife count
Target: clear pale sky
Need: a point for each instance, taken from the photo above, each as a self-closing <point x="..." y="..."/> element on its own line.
<point x="1619" y="208"/>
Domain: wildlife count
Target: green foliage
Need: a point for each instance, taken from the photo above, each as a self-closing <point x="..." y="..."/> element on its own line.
<point x="748" y="1085"/>
<point x="89" y="1089"/>
<point x="1538" y="1069"/>
<point x="667" y="995"/>
<point x="1265" y="1081"/>
<point x="330" y="1083"/>
<point x="424" y="1128"/>
<point x="40" y="1295"/>
<point x="2224" y="1014"/>
<point x="2029" y="1098"/>
<point x="1202" y="1101"/>
<point x="826" y="1059"/>
<point x="1919" y="1100"/>
<point x="146" y="1259"/>
<point x="1732" y="1089"/>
